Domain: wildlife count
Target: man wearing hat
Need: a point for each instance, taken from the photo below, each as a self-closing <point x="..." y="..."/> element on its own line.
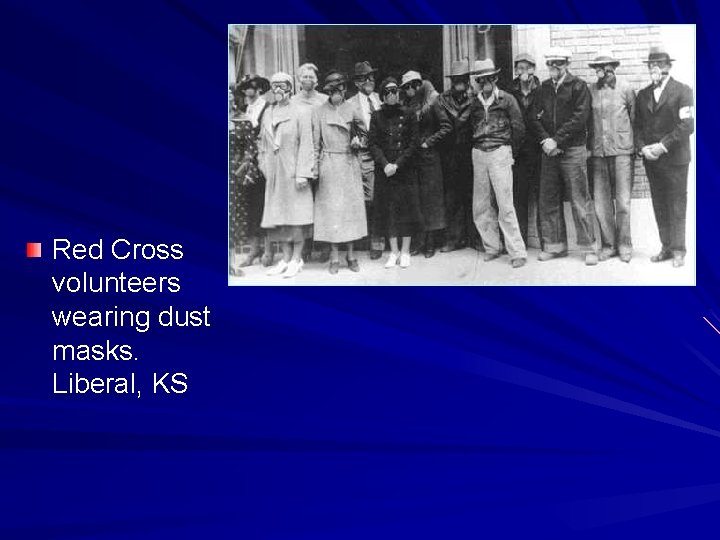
<point x="526" y="171"/>
<point x="612" y="149"/>
<point x="455" y="155"/>
<point x="559" y="119"/>
<point x="497" y="130"/>
<point x="254" y="86"/>
<point x="366" y="101"/>
<point x="664" y="121"/>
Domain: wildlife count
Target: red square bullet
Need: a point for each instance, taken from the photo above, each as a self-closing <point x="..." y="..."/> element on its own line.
<point x="32" y="249"/>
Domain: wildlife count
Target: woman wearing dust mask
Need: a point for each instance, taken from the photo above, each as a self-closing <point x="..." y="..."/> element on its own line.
<point x="286" y="144"/>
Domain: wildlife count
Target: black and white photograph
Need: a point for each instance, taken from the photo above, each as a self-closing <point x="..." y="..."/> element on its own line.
<point x="461" y="155"/>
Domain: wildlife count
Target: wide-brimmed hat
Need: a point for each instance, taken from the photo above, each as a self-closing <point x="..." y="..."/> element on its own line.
<point x="409" y="77"/>
<point x="363" y="68"/>
<point x="658" y="54"/>
<point x="281" y="76"/>
<point x="484" y="68"/>
<point x="333" y="79"/>
<point x="255" y="81"/>
<point x="524" y="57"/>
<point x="558" y="53"/>
<point x="603" y="58"/>
<point x="459" y="68"/>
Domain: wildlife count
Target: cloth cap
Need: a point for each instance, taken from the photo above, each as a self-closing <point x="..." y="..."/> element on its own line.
<point x="558" y="53"/>
<point x="524" y="57"/>
<point x="281" y="76"/>
<point x="410" y="76"/>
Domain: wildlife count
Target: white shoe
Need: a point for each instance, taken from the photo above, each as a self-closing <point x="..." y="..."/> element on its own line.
<point x="392" y="260"/>
<point x="278" y="269"/>
<point x="404" y="260"/>
<point x="293" y="268"/>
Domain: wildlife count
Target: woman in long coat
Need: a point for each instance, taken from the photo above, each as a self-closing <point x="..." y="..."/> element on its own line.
<point x="393" y="142"/>
<point x="308" y="96"/>
<point x="286" y="160"/>
<point x="340" y="201"/>
<point x="250" y="94"/>
<point x="247" y="187"/>
<point x="434" y="126"/>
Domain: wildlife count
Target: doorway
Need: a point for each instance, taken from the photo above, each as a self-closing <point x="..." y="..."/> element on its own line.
<point x="391" y="49"/>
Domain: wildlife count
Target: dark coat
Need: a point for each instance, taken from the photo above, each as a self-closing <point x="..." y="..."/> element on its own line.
<point x="670" y="122"/>
<point x="458" y="113"/>
<point x="502" y="123"/>
<point x="563" y="116"/>
<point x="434" y="127"/>
<point x="393" y="138"/>
<point x="525" y="103"/>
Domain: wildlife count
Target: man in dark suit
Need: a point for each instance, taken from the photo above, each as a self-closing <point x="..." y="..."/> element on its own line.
<point x="664" y="121"/>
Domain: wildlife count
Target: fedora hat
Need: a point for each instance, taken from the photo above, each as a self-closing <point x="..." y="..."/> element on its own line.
<point x="409" y="77"/>
<point x="657" y="54"/>
<point x="604" y="58"/>
<point x="363" y="68"/>
<point x="524" y="57"/>
<point x="459" y="68"/>
<point x="484" y="68"/>
<point x="558" y="53"/>
<point x="333" y="79"/>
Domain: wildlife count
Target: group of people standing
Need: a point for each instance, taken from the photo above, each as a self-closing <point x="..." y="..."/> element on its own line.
<point x="430" y="171"/>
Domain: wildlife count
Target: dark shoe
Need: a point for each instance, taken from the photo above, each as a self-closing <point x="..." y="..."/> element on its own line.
<point x="591" y="259"/>
<point x="429" y="253"/>
<point x="662" y="256"/>
<point x="250" y="258"/>
<point x="678" y="260"/>
<point x="625" y="257"/>
<point x="519" y="262"/>
<point x="375" y="254"/>
<point x="547" y="256"/>
<point x="478" y="246"/>
<point x="353" y="265"/>
<point x="415" y="251"/>
<point x="606" y="254"/>
<point x="334" y="267"/>
<point x="267" y="259"/>
<point x="307" y="251"/>
<point x="490" y="256"/>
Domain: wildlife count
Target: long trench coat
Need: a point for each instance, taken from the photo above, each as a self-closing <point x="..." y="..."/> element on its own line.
<point x="339" y="200"/>
<point x="434" y="126"/>
<point x="286" y="153"/>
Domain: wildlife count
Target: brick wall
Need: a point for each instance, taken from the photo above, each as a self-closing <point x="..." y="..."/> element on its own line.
<point x="629" y="44"/>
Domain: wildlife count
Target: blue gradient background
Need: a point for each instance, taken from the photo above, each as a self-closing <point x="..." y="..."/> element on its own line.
<point x="321" y="413"/>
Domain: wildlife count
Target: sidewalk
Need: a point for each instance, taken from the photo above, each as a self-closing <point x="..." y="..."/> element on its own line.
<point x="466" y="267"/>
